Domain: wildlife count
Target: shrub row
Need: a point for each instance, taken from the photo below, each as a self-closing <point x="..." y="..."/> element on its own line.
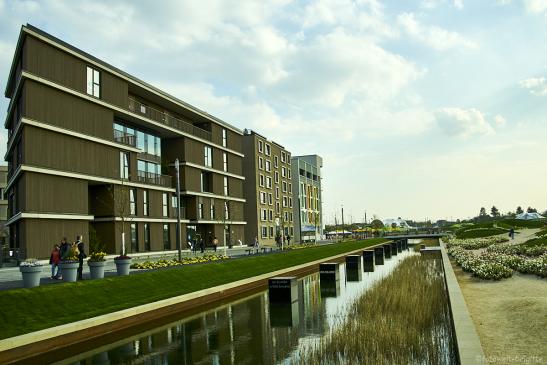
<point x="148" y="265"/>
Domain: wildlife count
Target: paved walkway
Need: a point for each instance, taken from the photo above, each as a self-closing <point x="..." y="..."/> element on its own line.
<point x="10" y="277"/>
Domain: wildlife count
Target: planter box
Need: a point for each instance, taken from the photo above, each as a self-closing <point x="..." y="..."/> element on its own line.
<point x="96" y="269"/>
<point x="69" y="271"/>
<point x="122" y="266"/>
<point x="31" y="275"/>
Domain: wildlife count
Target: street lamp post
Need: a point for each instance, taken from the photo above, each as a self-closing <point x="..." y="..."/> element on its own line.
<point x="179" y="248"/>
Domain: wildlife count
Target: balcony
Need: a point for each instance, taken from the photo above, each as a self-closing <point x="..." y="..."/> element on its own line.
<point x="124" y="138"/>
<point x="155" y="179"/>
<point x="156" y="115"/>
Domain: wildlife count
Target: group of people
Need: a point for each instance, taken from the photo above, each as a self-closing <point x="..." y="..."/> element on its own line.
<point x="65" y="251"/>
<point x="279" y="240"/>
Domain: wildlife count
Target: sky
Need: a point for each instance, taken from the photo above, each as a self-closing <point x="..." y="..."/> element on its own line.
<point x="420" y="109"/>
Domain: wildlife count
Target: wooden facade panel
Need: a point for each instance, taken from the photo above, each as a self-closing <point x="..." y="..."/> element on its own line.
<point x="55" y="194"/>
<point x="194" y="151"/>
<point x="41" y="234"/>
<point x="70" y="71"/>
<point x="191" y="180"/>
<point x="57" y="151"/>
<point x="235" y="164"/>
<point x="233" y="139"/>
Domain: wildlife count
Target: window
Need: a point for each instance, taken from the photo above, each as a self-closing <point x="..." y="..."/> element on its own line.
<point x="289" y="158"/>
<point x="165" y="205"/>
<point x="264" y="232"/>
<point x="270" y="215"/>
<point x="268" y="165"/>
<point x="277" y="208"/>
<point x="226" y="211"/>
<point x="166" y="240"/>
<point x="276" y="177"/>
<point x="262" y="196"/>
<point x="282" y="156"/>
<point x="277" y="193"/>
<point x="263" y="215"/>
<point x="93" y="82"/>
<point x="134" y="238"/>
<point x="200" y="209"/>
<point x="284" y="202"/>
<point x="147" y="237"/>
<point x="224" y="138"/>
<point x="208" y="154"/>
<point x="260" y="148"/>
<point x="268" y="182"/>
<point x="261" y="163"/>
<point x="290" y="188"/>
<point x="174" y="201"/>
<point x="261" y="180"/>
<point x="284" y="186"/>
<point x="212" y="209"/>
<point x="271" y="232"/>
<point x="145" y="202"/>
<point x="225" y="161"/>
<point x="286" y="216"/>
<point x="290" y="218"/>
<point x="132" y="202"/>
<point x="206" y="184"/>
<point x="268" y="149"/>
<point x="284" y="171"/>
<point x="225" y="186"/>
<point x="124" y="165"/>
<point x="290" y="202"/>
<point x="270" y="199"/>
<point x="289" y="173"/>
<point x="276" y="161"/>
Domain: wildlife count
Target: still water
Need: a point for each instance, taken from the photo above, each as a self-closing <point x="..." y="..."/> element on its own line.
<point x="248" y="330"/>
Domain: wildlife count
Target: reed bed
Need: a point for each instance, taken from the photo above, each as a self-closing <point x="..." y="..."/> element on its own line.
<point x="404" y="319"/>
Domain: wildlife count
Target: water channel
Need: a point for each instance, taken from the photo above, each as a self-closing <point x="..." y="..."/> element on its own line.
<point x="249" y="330"/>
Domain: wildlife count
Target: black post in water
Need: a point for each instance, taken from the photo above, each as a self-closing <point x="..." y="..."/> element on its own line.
<point x="379" y="255"/>
<point x="368" y="261"/>
<point x="353" y="268"/>
<point x="283" y="289"/>
<point x="387" y="251"/>
<point x="406" y="244"/>
<point x="399" y="246"/>
<point x="394" y="248"/>
<point x="329" y="279"/>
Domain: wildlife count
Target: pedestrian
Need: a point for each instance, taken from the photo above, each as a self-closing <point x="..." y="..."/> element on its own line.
<point x="288" y="240"/>
<point x="256" y="245"/>
<point x="54" y="260"/>
<point x="64" y="250"/>
<point x="201" y="245"/>
<point x="81" y="256"/>
<point x="512" y="233"/>
<point x="215" y="243"/>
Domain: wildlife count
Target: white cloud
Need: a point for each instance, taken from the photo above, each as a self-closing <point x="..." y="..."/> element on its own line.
<point x="536" y="6"/>
<point x="464" y="123"/>
<point x="499" y="120"/>
<point x="458" y="4"/>
<point x="535" y="85"/>
<point x="432" y="36"/>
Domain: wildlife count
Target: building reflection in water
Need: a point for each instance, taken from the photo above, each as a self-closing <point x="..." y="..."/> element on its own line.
<point x="246" y="331"/>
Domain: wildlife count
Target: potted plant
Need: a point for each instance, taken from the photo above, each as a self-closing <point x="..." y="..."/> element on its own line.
<point x="96" y="264"/>
<point x="69" y="266"/>
<point x="122" y="264"/>
<point x="31" y="269"/>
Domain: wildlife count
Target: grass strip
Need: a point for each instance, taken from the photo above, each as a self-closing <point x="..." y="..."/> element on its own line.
<point x="29" y="310"/>
<point x="479" y="232"/>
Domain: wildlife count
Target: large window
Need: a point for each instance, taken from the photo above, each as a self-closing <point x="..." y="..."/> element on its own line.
<point x="148" y="143"/>
<point x="93" y="82"/>
<point x="165" y="205"/>
<point x="132" y="201"/>
<point x="148" y="171"/>
<point x="147" y="236"/>
<point x="208" y="154"/>
<point x="264" y="231"/>
<point x="145" y="209"/>
<point x="268" y="182"/>
<point x="225" y="186"/>
<point x="166" y="238"/>
<point x="226" y="210"/>
<point x="124" y="165"/>
<point x="212" y="209"/>
<point x="225" y="161"/>
<point x="268" y="165"/>
<point x="134" y="238"/>
<point x="200" y="209"/>
<point x="224" y="138"/>
<point x="206" y="182"/>
<point x="268" y="149"/>
<point x="263" y="214"/>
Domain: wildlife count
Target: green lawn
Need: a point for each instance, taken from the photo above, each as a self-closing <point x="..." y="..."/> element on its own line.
<point x="28" y="310"/>
<point x="479" y="232"/>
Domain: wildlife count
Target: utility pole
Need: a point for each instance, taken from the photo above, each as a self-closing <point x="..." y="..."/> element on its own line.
<point x="299" y="221"/>
<point x="343" y="221"/>
<point x="179" y="248"/>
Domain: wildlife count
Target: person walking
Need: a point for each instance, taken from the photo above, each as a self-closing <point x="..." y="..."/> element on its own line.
<point x="256" y="245"/>
<point x="81" y="256"/>
<point x="201" y="245"/>
<point x="54" y="260"/>
<point x="215" y="243"/>
<point x="288" y="240"/>
<point x="512" y="233"/>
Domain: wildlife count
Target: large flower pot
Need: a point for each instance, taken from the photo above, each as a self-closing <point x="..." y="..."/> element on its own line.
<point x="96" y="269"/>
<point x="122" y="266"/>
<point x="69" y="270"/>
<point x="31" y="275"/>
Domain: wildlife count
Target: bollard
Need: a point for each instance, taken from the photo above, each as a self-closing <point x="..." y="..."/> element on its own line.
<point x="353" y="268"/>
<point x="368" y="261"/>
<point x="379" y="255"/>
<point x="399" y="246"/>
<point x="393" y="248"/>
<point x="387" y="251"/>
<point x="283" y="289"/>
<point x="329" y="271"/>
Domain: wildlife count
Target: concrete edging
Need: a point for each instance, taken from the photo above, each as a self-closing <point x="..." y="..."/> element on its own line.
<point x="468" y="342"/>
<point x="22" y="346"/>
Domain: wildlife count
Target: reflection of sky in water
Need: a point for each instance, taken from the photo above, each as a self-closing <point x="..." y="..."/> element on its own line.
<point x="245" y="331"/>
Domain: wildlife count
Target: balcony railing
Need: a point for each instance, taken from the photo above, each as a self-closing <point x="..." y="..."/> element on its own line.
<point x="156" y="179"/>
<point x="124" y="138"/>
<point x="169" y="120"/>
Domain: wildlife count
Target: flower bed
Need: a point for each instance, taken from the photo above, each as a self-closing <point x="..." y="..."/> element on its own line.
<point x="148" y="265"/>
<point x="499" y="260"/>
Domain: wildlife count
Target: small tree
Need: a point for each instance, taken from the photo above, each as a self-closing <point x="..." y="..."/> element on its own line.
<point x="377" y="224"/>
<point x="482" y="212"/>
<point x="531" y="210"/>
<point x="519" y="210"/>
<point x="494" y="211"/>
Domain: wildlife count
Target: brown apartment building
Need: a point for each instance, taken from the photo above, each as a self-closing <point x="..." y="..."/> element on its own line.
<point x="92" y="149"/>
<point x="267" y="171"/>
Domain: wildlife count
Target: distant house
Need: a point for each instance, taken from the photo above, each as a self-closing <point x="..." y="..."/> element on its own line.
<point x="399" y="223"/>
<point x="529" y="216"/>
